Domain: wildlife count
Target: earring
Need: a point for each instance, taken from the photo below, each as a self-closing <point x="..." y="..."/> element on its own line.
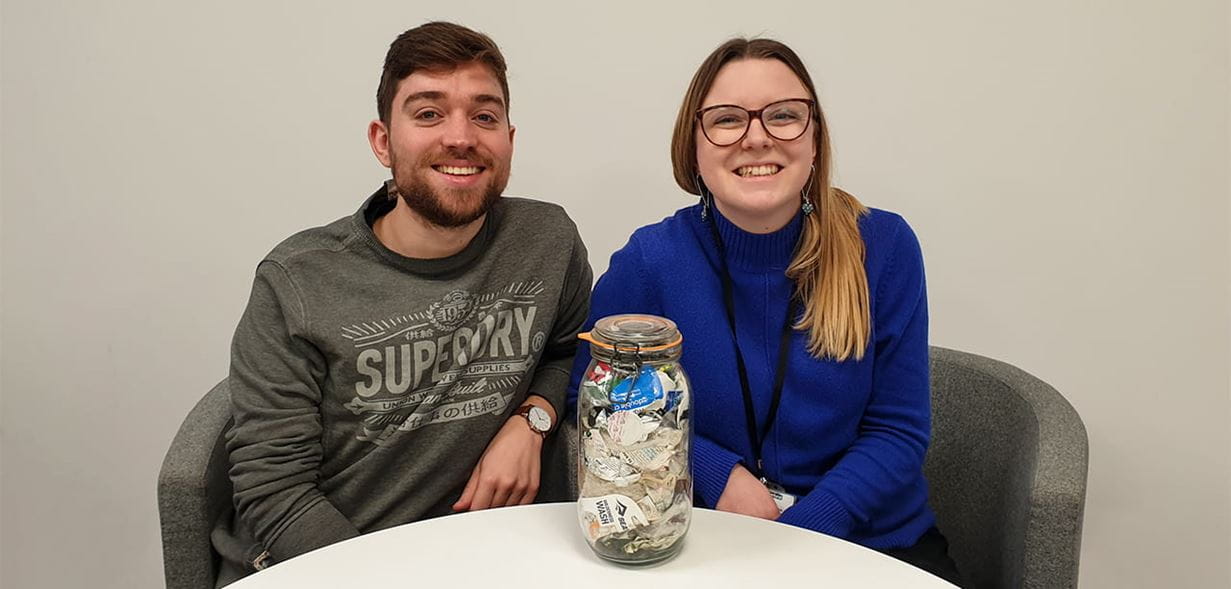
<point x="705" y="197"/>
<point x="807" y="206"/>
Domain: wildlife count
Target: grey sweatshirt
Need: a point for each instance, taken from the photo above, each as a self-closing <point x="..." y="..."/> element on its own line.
<point x="366" y="385"/>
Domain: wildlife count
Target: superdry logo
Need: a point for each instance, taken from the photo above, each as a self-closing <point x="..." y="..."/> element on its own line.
<point x="460" y="357"/>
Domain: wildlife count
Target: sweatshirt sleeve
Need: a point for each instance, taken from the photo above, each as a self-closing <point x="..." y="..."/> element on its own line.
<point x="551" y="377"/>
<point x="889" y="449"/>
<point x="275" y="444"/>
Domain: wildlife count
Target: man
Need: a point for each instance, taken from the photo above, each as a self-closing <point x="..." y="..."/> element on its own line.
<point x="407" y="361"/>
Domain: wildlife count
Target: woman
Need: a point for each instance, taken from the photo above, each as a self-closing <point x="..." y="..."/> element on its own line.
<point x="803" y="312"/>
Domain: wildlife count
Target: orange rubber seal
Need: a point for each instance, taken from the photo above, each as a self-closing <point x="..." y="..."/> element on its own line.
<point x="589" y="338"/>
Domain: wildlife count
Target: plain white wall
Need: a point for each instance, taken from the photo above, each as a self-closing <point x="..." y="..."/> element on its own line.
<point x="1064" y="164"/>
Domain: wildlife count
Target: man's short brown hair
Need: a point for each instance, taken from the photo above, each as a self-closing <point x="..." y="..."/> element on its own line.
<point x="436" y="46"/>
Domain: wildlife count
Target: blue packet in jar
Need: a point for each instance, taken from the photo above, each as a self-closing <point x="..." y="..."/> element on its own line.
<point x="635" y="393"/>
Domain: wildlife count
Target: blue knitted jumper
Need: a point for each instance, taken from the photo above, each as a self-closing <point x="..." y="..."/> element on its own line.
<point x="850" y="437"/>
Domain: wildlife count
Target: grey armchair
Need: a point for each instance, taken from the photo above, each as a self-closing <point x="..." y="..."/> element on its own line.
<point x="194" y="489"/>
<point x="1006" y="470"/>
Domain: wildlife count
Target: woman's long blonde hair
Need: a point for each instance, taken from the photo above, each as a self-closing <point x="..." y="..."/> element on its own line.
<point x="828" y="266"/>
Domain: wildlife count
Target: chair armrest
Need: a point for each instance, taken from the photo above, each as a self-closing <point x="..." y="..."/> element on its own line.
<point x="193" y="490"/>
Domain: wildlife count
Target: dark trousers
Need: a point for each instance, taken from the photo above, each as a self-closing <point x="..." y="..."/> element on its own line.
<point x="930" y="553"/>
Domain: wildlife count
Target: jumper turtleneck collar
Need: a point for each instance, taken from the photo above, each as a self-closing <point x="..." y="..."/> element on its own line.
<point x="758" y="251"/>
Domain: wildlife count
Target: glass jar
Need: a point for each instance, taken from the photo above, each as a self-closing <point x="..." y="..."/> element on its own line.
<point x="634" y="468"/>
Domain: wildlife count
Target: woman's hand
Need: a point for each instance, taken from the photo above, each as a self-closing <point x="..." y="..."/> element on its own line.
<point x="746" y="495"/>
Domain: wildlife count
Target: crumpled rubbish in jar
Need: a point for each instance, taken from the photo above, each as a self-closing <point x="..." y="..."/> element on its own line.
<point x="634" y="450"/>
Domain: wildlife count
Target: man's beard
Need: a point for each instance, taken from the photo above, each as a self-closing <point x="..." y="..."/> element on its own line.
<point x="449" y="207"/>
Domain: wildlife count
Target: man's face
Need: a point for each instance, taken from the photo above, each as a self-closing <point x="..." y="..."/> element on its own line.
<point x="448" y="143"/>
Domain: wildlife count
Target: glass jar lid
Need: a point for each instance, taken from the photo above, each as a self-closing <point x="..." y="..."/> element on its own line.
<point x="648" y="337"/>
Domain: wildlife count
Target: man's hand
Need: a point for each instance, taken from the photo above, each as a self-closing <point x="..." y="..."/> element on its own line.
<point x="508" y="471"/>
<point x="746" y="495"/>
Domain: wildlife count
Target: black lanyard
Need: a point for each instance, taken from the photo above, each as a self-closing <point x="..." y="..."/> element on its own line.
<point x="756" y="435"/>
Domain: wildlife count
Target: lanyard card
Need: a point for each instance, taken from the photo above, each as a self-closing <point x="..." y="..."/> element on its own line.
<point x="781" y="498"/>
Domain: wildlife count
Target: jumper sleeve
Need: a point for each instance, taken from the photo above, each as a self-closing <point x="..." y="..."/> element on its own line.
<point x="551" y="377"/>
<point x="625" y="288"/>
<point x="275" y="444"/>
<point x="711" y="468"/>
<point x="889" y="449"/>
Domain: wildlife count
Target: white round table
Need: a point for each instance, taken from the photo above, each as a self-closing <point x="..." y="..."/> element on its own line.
<point x="538" y="546"/>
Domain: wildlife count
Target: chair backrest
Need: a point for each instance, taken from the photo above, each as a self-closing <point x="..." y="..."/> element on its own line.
<point x="194" y="489"/>
<point x="1007" y="473"/>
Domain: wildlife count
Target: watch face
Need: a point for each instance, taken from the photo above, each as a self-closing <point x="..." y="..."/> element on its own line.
<point x="539" y="419"/>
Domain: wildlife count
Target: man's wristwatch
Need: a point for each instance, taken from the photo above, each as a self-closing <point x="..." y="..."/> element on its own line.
<point x="538" y="418"/>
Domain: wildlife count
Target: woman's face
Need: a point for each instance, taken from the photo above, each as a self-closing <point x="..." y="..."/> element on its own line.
<point x="757" y="180"/>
